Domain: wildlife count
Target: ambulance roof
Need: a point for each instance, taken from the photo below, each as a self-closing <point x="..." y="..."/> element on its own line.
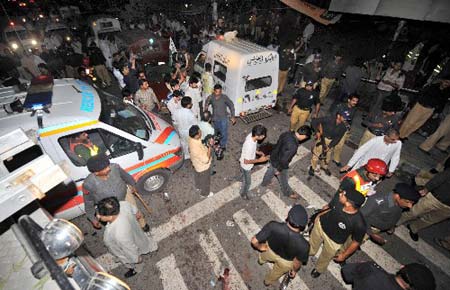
<point x="73" y="102"/>
<point x="241" y="46"/>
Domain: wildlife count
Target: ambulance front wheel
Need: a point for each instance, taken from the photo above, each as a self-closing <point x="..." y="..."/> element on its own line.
<point x="153" y="181"/>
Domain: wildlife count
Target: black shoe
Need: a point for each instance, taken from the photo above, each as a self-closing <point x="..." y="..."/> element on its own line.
<point x="327" y="171"/>
<point x="314" y="273"/>
<point x="414" y="236"/>
<point x="213" y="172"/>
<point x="130" y="273"/>
<point x="146" y="228"/>
<point x="311" y="171"/>
<point x="338" y="164"/>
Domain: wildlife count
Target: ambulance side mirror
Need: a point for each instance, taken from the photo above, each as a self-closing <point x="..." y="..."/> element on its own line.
<point x="139" y="150"/>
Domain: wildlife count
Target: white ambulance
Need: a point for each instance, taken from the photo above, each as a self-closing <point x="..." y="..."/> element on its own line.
<point x="147" y="147"/>
<point x="247" y="72"/>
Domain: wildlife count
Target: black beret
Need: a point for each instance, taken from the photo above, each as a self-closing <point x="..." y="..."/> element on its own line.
<point x="298" y="216"/>
<point x="97" y="163"/>
<point x="406" y="191"/>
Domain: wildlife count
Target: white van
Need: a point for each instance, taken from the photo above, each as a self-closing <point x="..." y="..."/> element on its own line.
<point x="247" y="72"/>
<point x="103" y="26"/>
<point x="143" y="144"/>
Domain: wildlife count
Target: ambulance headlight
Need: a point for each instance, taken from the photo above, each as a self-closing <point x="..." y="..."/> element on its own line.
<point x="33" y="42"/>
<point x="61" y="238"/>
<point x="14" y="46"/>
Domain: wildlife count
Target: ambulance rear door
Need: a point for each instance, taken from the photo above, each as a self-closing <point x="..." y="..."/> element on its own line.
<point x="259" y="82"/>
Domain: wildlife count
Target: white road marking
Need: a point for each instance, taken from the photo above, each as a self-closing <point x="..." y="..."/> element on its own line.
<point x="377" y="253"/>
<point x="246" y="223"/>
<point x="213" y="249"/>
<point x="249" y="227"/>
<point x="208" y="205"/>
<point x="422" y="247"/>
<point x="170" y="275"/>
<point x="281" y="210"/>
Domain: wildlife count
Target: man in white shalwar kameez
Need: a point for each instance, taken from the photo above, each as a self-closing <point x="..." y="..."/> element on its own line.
<point x="123" y="236"/>
<point x="194" y="92"/>
<point x="105" y="47"/>
<point x="174" y="104"/>
<point x="184" y="119"/>
<point x="386" y="148"/>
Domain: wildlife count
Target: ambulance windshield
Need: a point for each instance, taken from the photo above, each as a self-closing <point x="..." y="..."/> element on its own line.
<point x="124" y="117"/>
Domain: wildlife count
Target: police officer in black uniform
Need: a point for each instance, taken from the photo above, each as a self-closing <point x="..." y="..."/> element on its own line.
<point x="301" y="105"/>
<point x="370" y="276"/>
<point x="283" y="245"/>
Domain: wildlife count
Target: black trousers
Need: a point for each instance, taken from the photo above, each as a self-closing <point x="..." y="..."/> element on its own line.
<point x="203" y="181"/>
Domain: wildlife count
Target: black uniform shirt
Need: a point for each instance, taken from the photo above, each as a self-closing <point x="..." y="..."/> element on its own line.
<point x="347" y="112"/>
<point x="330" y="129"/>
<point x="309" y="74"/>
<point x="387" y="122"/>
<point x="439" y="186"/>
<point x="333" y="70"/>
<point x="434" y="97"/>
<point x="339" y="225"/>
<point x="380" y="211"/>
<point x="286" y="59"/>
<point x="305" y="99"/>
<point x="368" y="276"/>
<point x="284" y="242"/>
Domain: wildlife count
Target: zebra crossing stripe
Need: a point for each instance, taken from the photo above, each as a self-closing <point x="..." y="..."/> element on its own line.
<point x="280" y="209"/>
<point x="250" y="228"/>
<point x="207" y="206"/>
<point x="170" y="275"/>
<point x="430" y="253"/>
<point x="377" y="253"/>
<point x="214" y="250"/>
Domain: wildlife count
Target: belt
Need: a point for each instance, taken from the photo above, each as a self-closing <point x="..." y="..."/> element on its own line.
<point x="304" y="108"/>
